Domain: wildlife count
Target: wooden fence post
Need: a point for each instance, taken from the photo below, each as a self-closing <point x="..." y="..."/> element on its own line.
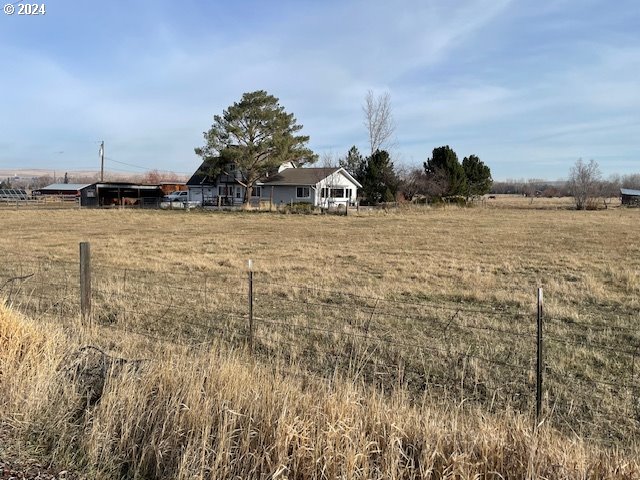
<point x="85" y="282"/>
<point x="250" y="265"/>
<point x="540" y="359"/>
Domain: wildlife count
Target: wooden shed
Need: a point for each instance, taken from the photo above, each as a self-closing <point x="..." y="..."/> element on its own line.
<point x="629" y="197"/>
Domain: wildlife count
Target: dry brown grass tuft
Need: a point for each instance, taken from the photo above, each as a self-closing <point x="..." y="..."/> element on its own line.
<point x="208" y="414"/>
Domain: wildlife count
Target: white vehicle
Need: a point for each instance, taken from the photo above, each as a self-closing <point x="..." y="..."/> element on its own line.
<point x="180" y="196"/>
<point x="178" y="200"/>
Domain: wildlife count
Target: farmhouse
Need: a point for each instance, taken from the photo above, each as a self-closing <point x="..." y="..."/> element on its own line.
<point x="630" y="197"/>
<point x="320" y="187"/>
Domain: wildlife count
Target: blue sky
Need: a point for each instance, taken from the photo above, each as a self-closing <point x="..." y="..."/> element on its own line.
<point x="528" y="86"/>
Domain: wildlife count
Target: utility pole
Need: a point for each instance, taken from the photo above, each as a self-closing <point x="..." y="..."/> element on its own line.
<point x="102" y="161"/>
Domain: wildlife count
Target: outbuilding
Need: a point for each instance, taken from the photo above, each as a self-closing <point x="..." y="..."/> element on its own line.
<point x="630" y="197"/>
<point x="71" y="190"/>
<point x="105" y="194"/>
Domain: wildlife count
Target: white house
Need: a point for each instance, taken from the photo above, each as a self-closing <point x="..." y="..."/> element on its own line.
<point x="321" y="187"/>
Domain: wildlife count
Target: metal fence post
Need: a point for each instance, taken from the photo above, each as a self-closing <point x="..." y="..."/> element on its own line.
<point x="539" y="359"/>
<point x="250" y="265"/>
<point x="85" y="282"/>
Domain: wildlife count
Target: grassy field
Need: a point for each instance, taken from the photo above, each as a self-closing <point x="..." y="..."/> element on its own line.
<point x="436" y="305"/>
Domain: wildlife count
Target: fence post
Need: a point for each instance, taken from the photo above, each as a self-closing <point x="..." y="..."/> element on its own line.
<point x="85" y="282"/>
<point x="539" y="359"/>
<point x="346" y="209"/>
<point x="250" y="265"/>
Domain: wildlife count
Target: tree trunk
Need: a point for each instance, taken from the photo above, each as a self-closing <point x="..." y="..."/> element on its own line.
<point x="248" y="190"/>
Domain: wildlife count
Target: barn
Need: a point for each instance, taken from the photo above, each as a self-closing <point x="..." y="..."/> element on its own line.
<point x="630" y="197"/>
<point x="105" y="194"/>
<point x="62" y="190"/>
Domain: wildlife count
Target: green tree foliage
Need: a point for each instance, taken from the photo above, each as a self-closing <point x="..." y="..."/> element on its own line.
<point x="256" y="135"/>
<point x="380" y="181"/>
<point x="354" y="163"/>
<point x="5" y="183"/>
<point x="478" y="176"/>
<point x="444" y="168"/>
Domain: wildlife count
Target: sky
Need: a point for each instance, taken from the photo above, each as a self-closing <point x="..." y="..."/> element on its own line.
<point x="529" y="87"/>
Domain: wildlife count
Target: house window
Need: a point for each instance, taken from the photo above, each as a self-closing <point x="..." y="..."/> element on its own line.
<point x="238" y="192"/>
<point x="256" y="192"/>
<point x="324" y="193"/>
<point x="302" y="192"/>
<point x="337" y="192"/>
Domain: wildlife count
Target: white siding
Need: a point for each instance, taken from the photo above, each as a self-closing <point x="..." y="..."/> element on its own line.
<point x="336" y="181"/>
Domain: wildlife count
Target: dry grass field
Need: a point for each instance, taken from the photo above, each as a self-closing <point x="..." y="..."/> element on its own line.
<point x="420" y="313"/>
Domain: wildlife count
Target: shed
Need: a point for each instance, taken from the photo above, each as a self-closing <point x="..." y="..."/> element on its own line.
<point x="106" y="194"/>
<point x="630" y="197"/>
<point x="62" y="189"/>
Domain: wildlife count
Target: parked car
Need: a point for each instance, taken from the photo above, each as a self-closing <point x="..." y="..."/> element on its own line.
<point x="180" y="196"/>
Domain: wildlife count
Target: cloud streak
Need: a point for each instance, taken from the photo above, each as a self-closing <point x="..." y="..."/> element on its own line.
<point x="528" y="89"/>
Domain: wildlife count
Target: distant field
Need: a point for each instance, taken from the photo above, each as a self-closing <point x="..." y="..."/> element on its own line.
<point x="439" y="300"/>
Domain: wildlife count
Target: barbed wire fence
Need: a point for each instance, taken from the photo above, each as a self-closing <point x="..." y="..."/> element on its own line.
<point x="444" y="349"/>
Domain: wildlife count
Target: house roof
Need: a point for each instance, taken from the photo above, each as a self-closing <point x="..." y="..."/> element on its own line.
<point x="199" y="177"/>
<point x="288" y="176"/>
<point x="306" y="176"/>
<point x="65" y="186"/>
<point x="630" y="192"/>
<point x="299" y="176"/>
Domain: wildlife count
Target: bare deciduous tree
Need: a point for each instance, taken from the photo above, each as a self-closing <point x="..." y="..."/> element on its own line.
<point x="584" y="183"/>
<point x="378" y="119"/>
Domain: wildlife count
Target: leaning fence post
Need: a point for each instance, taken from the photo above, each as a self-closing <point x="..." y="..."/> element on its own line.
<point x="250" y="265"/>
<point x="539" y="359"/>
<point x="85" y="282"/>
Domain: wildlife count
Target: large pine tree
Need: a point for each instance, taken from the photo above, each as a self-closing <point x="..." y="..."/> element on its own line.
<point x="256" y="135"/>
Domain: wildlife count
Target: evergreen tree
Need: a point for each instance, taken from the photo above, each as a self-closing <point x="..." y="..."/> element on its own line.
<point x="444" y="164"/>
<point x="478" y="175"/>
<point x="380" y="181"/>
<point x="256" y="135"/>
<point x="354" y="163"/>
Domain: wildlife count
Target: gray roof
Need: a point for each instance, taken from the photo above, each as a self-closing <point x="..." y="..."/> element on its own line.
<point x="66" y="186"/>
<point x="630" y="192"/>
<point x="299" y="176"/>
<point x="288" y="176"/>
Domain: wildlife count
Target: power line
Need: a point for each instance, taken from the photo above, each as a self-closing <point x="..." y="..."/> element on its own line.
<point x="145" y="168"/>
